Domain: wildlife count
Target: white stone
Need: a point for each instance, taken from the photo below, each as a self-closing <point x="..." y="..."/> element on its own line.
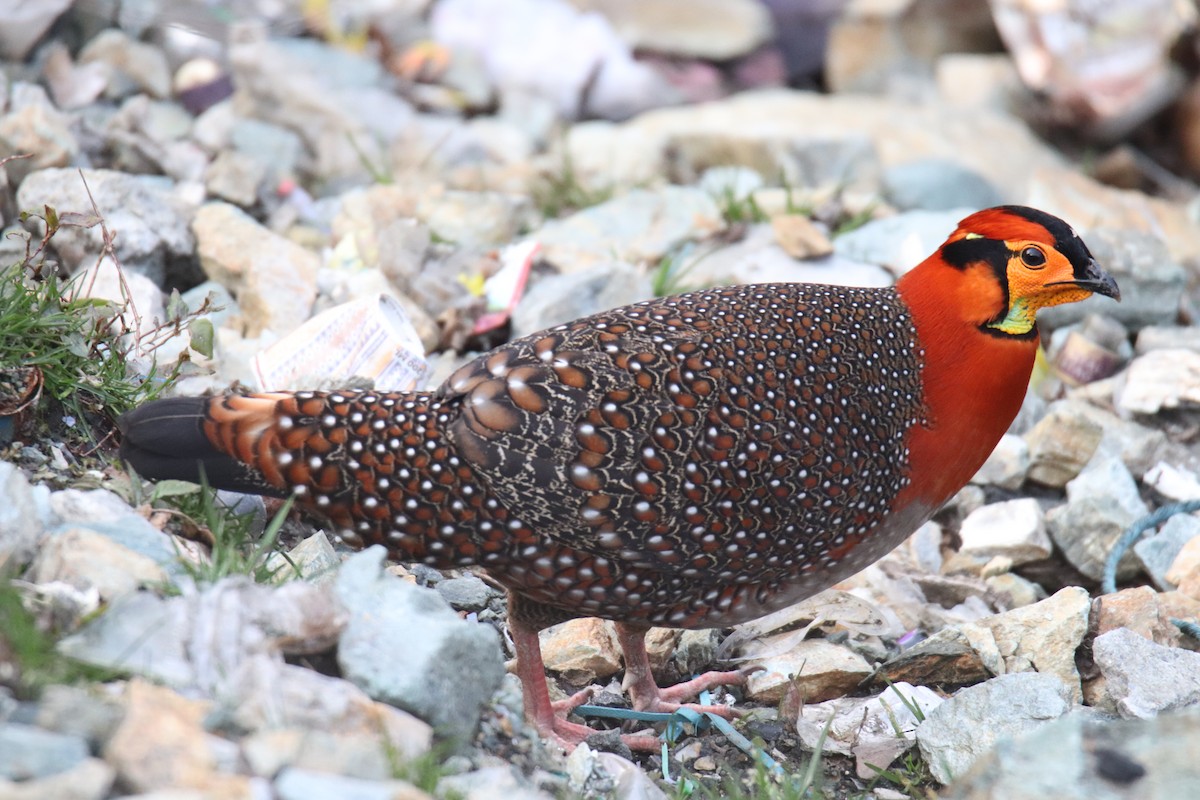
<point x="1007" y="465"/>
<point x="89" y="560"/>
<point x="717" y="30"/>
<point x="1015" y="529"/>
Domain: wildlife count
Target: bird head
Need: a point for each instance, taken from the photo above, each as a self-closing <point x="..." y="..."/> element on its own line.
<point x="1012" y="261"/>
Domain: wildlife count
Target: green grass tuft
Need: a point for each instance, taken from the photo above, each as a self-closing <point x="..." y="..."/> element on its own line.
<point x="71" y="341"/>
<point x="235" y="550"/>
<point x="559" y="192"/>
<point x="29" y="661"/>
<point x="741" y="209"/>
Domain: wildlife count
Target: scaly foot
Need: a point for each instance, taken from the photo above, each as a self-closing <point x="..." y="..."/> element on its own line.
<point x="646" y="695"/>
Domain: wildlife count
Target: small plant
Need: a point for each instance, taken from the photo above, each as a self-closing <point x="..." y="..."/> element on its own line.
<point x="764" y="783"/>
<point x="912" y="777"/>
<point x="423" y="771"/>
<point x="28" y="659"/>
<point x="667" y="278"/>
<point x="739" y="209"/>
<point x="234" y="548"/>
<point x="80" y="347"/>
<point x="761" y="784"/>
<point x="855" y="221"/>
<point x="69" y="341"/>
<point x="561" y="191"/>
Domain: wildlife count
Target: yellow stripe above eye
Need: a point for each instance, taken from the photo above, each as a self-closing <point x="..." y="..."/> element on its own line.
<point x="973" y="236"/>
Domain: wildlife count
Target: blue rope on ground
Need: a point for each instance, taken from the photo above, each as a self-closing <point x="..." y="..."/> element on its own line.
<point x="1189" y="628"/>
<point x="677" y="721"/>
<point x="1108" y="583"/>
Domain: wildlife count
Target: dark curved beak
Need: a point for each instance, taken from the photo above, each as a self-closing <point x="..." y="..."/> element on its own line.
<point x="1096" y="280"/>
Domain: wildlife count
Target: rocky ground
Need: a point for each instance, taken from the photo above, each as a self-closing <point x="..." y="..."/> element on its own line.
<point x="370" y="192"/>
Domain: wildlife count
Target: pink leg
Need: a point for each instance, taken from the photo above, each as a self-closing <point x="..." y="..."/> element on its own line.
<point x="546" y="715"/>
<point x="645" y="694"/>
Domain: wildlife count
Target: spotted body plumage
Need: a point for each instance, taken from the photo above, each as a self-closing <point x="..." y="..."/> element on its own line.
<point x="691" y="461"/>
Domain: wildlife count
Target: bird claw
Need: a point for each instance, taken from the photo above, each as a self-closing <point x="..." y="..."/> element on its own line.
<point x="648" y="696"/>
<point x="569" y="735"/>
<point x="569" y="704"/>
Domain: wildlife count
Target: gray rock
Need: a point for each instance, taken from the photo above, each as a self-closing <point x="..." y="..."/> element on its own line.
<point x="87" y="559"/>
<point x="641" y="226"/>
<point x="899" y="242"/>
<point x="24" y="24"/>
<point x="134" y="66"/>
<point x="21" y="525"/>
<point x="758" y="258"/>
<point x="475" y="218"/>
<point x="1007" y="465"/>
<point x="85" y="712"/>
<point x="562" y="298"/>
<point x="90" y="779"/>
<point x="275" y="147"/>
<point x="405" y="646"/>
<point x="890" y="48"/>
<point x="1061" y="443"/>
<point x="696" y="650"/>
<point x="1157" y="552"/>
<point x="1015" y="529"/>
<point x="1139" y="446"/>
<point x="138" y="633"/>
<point x="34" y="126"/>
<point x="87" y="505"/>
<point x="489" y="783"/>
<point x="758" y="129"/>
<point x="1154" y="337"/>
<point x="818" y="668"/>
<point x="1042" y="637"/>
<point x="150" y="214"/>
<point x="597" y="774"/>
<point x="235" y="177"/>
<point x="103" y="512"/>
<point x="274" y="278"/>
<point x="848" y="162"/>
<point x="403" y="246"/>
<point x="361" y="756"/>
<point x="302" y="784"/>
<point x="715" y="30"/>
<point x="323" y="94"/>
<point x="875" y="730"/>
<point x="171" y="640"/>
<point x="314" y="560"/>
<point x="299" y="718"/>
<point x="27" y="752"/>
<point x="965" y="727"/>
<point x="467" y="593"/>
<point x="1089" y="351"/>
<point x="1160" y="380"/>
<point x="1146" y="679"/>
<point x="937" y="184"/>
<point x="1085" y="757"/>
<point x="1152" y="283"/>
<point x="594" y="73"/>
<point x="1101" y="503"/>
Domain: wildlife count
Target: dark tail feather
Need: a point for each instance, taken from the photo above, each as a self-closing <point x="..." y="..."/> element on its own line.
<point x="165" y="439"/>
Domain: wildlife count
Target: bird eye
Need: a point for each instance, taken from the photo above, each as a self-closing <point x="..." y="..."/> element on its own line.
<point x="1033" y="257"/>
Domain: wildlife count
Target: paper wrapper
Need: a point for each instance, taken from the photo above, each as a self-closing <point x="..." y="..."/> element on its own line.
<point x="371" y="338"/>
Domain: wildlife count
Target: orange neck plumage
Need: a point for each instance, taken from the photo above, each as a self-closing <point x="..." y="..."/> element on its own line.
<point x="974" y="381"/>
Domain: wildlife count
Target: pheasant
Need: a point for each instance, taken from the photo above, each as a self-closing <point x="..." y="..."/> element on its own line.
<point x="690" y="461"/>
